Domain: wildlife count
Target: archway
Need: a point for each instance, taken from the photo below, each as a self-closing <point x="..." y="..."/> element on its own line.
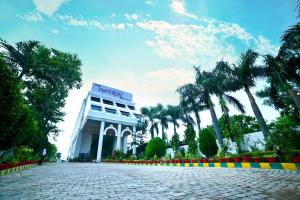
<point x="109" y="141"/>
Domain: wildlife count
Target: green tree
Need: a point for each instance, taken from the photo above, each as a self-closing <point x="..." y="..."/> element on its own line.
<point x="162" y="116"/>
<point x="190" y="103"/>
<point x="155" y="147"/>
<point x="17" y="125"/>
<point x="174" y="114"/>
<point x="150" y="114"/>
<point x="175" y="142"/>
<point x="189" y="137"/>
<point x="207" y="143"/>
<point x="244" y="75"/>
<point x="46" y="75"/>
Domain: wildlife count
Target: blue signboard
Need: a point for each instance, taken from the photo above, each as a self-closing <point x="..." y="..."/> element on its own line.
<point x="108" y="91"/>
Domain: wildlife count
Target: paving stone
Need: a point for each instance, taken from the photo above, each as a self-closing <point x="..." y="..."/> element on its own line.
<point x="112" y="181"/>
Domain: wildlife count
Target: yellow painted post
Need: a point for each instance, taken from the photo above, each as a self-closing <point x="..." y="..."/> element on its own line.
<point x="217" y="164"/>
<point x="205" y="164"/>
<point x="230" y="165"/>
<point x="246" y="165"/>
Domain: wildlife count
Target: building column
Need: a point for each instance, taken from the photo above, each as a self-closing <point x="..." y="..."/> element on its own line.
<point x="134" y="141"/>
<point x="119" y="138"/>
<point x="125" y="144"/>
<point x="100" y="142"/>
<point x="78" y="144"/>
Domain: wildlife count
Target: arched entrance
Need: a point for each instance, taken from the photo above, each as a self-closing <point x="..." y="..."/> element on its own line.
<point x="109" y="141"/>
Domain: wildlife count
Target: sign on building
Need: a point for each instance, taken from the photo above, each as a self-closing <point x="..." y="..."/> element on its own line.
<point x="112" y="92"/>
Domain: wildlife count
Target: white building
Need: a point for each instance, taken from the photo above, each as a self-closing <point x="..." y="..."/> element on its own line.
<point x="106" y="118"/>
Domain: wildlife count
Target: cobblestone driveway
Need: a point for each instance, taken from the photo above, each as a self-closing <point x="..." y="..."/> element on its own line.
<point x="109" y="181"/>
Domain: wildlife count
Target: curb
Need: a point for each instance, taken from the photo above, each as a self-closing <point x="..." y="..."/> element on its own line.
<point x="15" y="169"/>
<point x="248" y="165"/>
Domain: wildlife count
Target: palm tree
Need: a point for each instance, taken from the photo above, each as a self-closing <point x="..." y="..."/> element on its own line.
<point x="21" y="56"/>
<point x="219" y="84"/>
<point x="162" y="116"/>
<point x="204" y="96"/>
<point x="244" y="75"/>
<point x="190" y="103"/>
<point x="174" y="114"/>
<point x="282" y="77"/>
<point x="150" y="114"/>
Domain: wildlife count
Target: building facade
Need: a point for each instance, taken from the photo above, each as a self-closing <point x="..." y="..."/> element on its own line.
<point x="106" y="119"/>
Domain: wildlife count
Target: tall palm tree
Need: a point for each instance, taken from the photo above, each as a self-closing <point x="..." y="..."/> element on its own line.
<point x="244" y="75"/>
<point x="21" y="56"/>
<point x="163" y="119"/>
<point x="282" y="77"/>
<point x="174" y="114"/>
<point x="150" y="113"/>
<point x="219" y="84"/>
<point x="203" y="85"/>
<point x="189" y="102"/>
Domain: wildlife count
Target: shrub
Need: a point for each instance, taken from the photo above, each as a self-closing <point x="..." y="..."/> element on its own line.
<point x="207" y="142"/>
<point x="157" y="147"/>
<point x="118" y="155"/>
<point x="284" y="134"/>
<point x="190" y="136"/>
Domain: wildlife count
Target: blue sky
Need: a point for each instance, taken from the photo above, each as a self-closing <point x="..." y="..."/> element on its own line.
<point x="148" y="47"/>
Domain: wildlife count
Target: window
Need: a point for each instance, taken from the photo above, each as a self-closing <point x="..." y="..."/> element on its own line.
<point x="138" y="116"/>
<point x="120" y="105"/>
<point x="125" y="113"/>
<point x="108" y="102"/>
<point x="108" y="110"/>
<point x="131" y="107"/>
<point x="97" y="108"/>
<point x="95" y="99"/>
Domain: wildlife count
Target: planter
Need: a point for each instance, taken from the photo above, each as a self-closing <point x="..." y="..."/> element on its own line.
<point x="271" y="159"/>
<point x="193" y="161"/>
<point x="222" y="160"/>
<point x="256" y="159"/>
<point x="237" y="159"/>
<point x="228" y="159"/>
<point x="246" y="159"/>
<point x="186" y="161"/>
<point x="205" y="160"/>
<point x="211" y="160"/>
<point x="296" y="159"/>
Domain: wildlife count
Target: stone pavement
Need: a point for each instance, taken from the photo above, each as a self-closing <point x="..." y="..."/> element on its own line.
<point x="113" y="181"/>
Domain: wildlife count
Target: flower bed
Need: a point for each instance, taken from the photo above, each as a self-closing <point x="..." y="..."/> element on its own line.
<point x="12" y="165"/>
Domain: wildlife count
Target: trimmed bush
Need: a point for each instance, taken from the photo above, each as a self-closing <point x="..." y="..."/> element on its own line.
<point x="157" y="147"/>
<point x="207" y="142"/>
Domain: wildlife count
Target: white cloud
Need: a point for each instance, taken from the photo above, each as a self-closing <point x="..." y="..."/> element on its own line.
<point x="48" y="7"/>
<point x="81" y="22"/>
<point x="120" y="26"/>
<point x="149" y="2"/>
<point x="265" y="46"/>
<point x="131" y="17"/>
<point x="178" y="6"/>
<point x="55" y="31"/>
<point x="32" y="17"/>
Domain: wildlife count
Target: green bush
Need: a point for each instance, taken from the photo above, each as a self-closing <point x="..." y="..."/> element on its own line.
<point x="189" y="136"/>
<point x="207" y="142"/>
<point x="157" y="147"/>
<point x="284" y="134"/>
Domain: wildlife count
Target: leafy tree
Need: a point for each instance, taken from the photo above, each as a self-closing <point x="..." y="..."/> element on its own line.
<point x="46" y="75"/>
<point x="207" y="143"/>
<point x="284" y="134"/>
<point x="189" y="137"/>
<point x="174" y="114"/>
<point x="17" y="125"/>
<point x="175" y="142"/>
<point x="156" y="146"/>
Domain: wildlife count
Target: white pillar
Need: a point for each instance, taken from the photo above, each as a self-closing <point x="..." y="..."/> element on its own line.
<point x="134" y="141"/>
<point x="125" y="144"/>
<point x="99" y="152"/>
<point x="78" y="143"/>
<point x="119" y="138"/>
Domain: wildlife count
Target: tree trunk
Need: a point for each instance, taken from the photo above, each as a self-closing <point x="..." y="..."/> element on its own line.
<point x="295" y="97"/>
<point x="216" y="124"/>
<point x="198" y="121"/>
<point x="174" y="128"/>
<point x="260" y="119"/>
<point x="152" y="131"/>
<point x="162" y="132"/>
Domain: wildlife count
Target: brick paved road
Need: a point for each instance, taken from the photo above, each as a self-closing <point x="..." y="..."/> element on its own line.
<point x="108" y="181"/>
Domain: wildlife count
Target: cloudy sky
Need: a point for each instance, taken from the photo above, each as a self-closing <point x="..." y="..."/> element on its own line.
<point x="148" y="47"/>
